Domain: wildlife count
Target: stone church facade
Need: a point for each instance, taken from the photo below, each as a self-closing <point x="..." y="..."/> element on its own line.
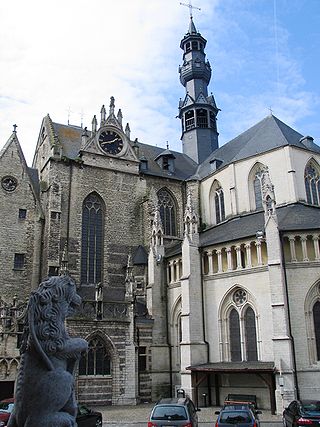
<point x="198" y="270"/>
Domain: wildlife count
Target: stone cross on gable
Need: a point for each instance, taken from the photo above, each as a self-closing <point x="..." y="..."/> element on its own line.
<point x="190" y="6"/>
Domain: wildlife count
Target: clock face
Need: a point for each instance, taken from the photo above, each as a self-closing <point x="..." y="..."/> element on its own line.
<point x="110" y="142"/>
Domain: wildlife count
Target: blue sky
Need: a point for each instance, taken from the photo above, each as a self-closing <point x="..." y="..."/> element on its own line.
<point x="60" y="56"/>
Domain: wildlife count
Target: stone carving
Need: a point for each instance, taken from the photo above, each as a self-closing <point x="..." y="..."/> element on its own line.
<point x="44" y="393"/>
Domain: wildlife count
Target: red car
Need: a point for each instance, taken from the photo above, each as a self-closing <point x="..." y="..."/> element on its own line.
<point x="6" y="407"/>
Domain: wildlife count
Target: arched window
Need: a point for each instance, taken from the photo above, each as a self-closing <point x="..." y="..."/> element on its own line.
<point x="235" y="339"/>
<point x="217" y="203"/>
<point x="96" y="361"/>
<point x="250" y="334"/>
<point x="255" y="186"/>
<point x="92" y="240"/>
<point x="238" y="327"/>
<point x="167" y="212"/>
<point x="316" y="321"/>
<point x="312" y="183"/>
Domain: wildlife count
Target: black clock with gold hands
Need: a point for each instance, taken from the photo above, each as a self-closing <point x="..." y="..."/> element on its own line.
<point x="110" y="142"/>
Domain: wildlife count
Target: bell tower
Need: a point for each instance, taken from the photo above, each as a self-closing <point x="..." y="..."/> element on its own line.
<point x="197" y="111"/>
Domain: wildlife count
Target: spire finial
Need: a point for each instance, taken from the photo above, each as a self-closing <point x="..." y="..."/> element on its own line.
<point x="111" y="105"/>
<point x="190" y="6"/>
<point x="167" y="145"/>
<point x="15" y="128"/>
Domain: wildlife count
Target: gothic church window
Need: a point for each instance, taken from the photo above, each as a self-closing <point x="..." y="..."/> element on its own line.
<point x="238" y="327"/>
<point x="92" y="239"/>
<point x="217" y="203"/>
<point x="316" y="321"/>
<point x="312" y="183"/>
<point x="255" y="186"/>
<point x="167" y="212"/>
<point x="96" y="361"/>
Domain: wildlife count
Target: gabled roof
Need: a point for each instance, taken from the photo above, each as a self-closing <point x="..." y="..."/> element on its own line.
<point x="269" y="134"/>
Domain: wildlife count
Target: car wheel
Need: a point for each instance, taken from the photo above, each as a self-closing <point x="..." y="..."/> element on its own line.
<point x="99" y="422"/>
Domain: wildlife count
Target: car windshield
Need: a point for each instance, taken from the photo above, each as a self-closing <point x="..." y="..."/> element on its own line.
<point x="169" y="412"/>
<point x="311" y="407"/>
<point x="235" y="417"/>
<point x="6" y="407"/>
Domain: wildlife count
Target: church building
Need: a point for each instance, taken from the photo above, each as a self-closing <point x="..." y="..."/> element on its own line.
<point x="198" y="270"/>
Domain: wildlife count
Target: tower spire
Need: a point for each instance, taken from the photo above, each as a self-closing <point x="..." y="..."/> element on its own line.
<point x="197" y="111"/>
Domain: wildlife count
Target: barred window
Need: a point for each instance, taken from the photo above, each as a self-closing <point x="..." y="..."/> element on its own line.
<point x="19" y="261"/>
<point x="167" y="212"/>
<point x="92" y="239"/>
<point x="96" y="361"/>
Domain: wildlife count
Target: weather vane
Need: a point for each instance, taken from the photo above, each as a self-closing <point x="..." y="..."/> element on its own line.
<point x="190" y="6"/>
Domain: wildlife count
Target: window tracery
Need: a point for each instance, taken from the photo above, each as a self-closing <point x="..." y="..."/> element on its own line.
<point x="167" y="208"/>
<point x="312" y="183"/>
<point x="97" y="360"/>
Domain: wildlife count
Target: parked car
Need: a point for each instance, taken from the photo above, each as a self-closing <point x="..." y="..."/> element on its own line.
<point x="302" y="413"/>
<point x="6" y="407"/>
<point x="174" y="412"/>
<point x="86" y="417"/>
<point x="239" y="415"/>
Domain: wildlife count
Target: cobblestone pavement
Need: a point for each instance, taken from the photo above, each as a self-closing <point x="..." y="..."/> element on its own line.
<point x="113" y="415"/>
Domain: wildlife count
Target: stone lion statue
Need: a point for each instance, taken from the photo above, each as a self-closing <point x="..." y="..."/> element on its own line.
<point x="44" y="393"/>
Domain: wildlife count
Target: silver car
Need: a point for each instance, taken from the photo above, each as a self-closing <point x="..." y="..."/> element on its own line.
<point x="174" y="412"/>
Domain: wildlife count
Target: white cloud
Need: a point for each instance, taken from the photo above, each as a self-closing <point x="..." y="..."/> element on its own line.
<point x="75" y="53"/>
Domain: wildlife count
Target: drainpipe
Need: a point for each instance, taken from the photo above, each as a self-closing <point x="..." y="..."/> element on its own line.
<point x="295" y="376"/>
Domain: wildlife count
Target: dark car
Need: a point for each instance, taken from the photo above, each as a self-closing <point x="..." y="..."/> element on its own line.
<point x="85" y="418"/>
<point x="174" y="412"/>
<point x="302" y="413"/>
<point x="239" y="415"/>
<point x="88" y="418"/>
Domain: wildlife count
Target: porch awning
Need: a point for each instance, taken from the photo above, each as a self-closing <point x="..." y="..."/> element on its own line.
<point x="234" y="367"/>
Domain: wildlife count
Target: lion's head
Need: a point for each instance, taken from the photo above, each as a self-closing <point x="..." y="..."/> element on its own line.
<point x="49" y="305"/>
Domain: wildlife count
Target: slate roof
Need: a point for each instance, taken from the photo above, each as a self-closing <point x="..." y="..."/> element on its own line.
<point x="70" y="139"/>
<point x="184" y="166"/>
<point x="270" y="133"/>
<point x="297" y="216"/>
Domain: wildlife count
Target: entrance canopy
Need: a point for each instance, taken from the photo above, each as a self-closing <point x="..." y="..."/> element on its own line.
<point x="264" y="370"/>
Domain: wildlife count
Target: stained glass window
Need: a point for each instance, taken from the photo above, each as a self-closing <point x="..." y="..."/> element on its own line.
<point x="219" y="205"/>
<point x="251" y="335"/>
<point x="235" y="341"/>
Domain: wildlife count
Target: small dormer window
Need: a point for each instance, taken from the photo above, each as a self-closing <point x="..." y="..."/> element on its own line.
<point x="166" y="161"/>
<point x="143" y="164"/>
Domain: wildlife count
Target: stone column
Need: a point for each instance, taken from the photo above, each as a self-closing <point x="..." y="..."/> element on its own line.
<point x="238" y="251"/>
<point x="210" y="262"/>
<point x="248" y="253"/>
<point x="259" y="256"/>
<point x="229" y="259"/>
<point x="304" y="248"/>
<point x="219" y="255"/>
<point x="315" y="239"/>
<point x="171" y="265"/>
<point x="292" y="248"/>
